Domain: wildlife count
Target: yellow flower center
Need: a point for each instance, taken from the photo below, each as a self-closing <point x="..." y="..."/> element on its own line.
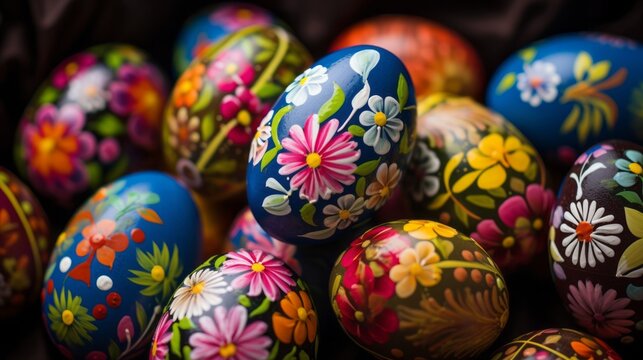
<point x="344" y="214"/>
<point x="197" y="288"/>
<point x="157" y="273"/>
<point x="635" y="168"/>
<point x="231" y="69"/>
<point x="380" y="118"/>
<point x="185" y="86"/>
<point x="302" y="314"/>
<point x="61" y="238"/>
<point x="366" y="243"/>
<point x="68" y="317"/>
<point x="359" y="316"/>
<point x="415" y="269"/>
<point x="244" y="14"/>
<point x="538" y="224"/>
<point x="71" y="68"/>
<point x="303" y="80"/>
<point x="244" y="118"/>
<point x="228" y="350"/>
<point x="313" y="160"/>
<point x="508" y="242"/>
<point x="46" y="145"/>
<point x="385" y="191"/>
<point x="258" y="267"/>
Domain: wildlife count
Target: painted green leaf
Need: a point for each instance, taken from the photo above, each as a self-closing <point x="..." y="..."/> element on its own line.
<point x="528" y="54"/>
<point x="307" y="212"/>
<point x="404" y="142"/>
<point x="107" y="125"/>
<point x="356" y="130"/>
<point x="275" y="126"/>
<point x="264" y="42"/>
<point x="175" y="341"/>
<point x="150" y="198"/>
<point x="552" y="339"/>
<point x="268" y="156"/>
<point x="631" y="196"/>
<point x="48" y="95"/>
<point x="113" y="60"/>
<point x="402" y="91"/>
<point x="185" y="324"/>
<point x="204" y="98"/>
<point x="291" y="354"/>
<point x="263" y="56"/>
<point x="500" y="193"/>
<point x="438" y="201"/>
<point x="95" y="174"/>
<point x="465" y="181"/>
<point x="141" y="315"/>
<point x="360" y="187"/>
<point x="244" y="300"/>
<point x="517" y="185"/>
<point x="187" y="352"/>
<point x="532" y="171"/>
<point x="207" y="127"/>
<point x="367" y="168"/>
<point x="113" y="350"/>
<point x="630" y="265"/>
<point x="506" y="83"/>
<point x="634" y="219"/>
<point x="461" y="215"/>
<point x="262" y="308"/>
<point x="483" y="201"/>
<point x="274" y="351"/>
<point x="303" y="355"/>
<point x="219" y="261"/>
<point x="269" y="90"/>
<point x="330" y="107"/>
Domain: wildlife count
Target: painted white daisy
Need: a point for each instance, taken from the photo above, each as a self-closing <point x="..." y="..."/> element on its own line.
<point x="259" y="143"/>
<point x="384" y="126"/>
<point x="591" y="233"/>
<point x="538" y="83"/>
<point x="424" y="172"/>
<point x="200" y="291"/>
<point x="346" y="212"/>
<point x="307" y="83"/>
<point x="89" y="89"/>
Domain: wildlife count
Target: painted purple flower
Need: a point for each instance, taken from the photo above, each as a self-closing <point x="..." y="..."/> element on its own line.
<point x="161" y="339"/>
<point x="227" y="335"/>
<point x="259" y="271"/>
<point x="600" y="313"/>
<point x="230" y="70"/>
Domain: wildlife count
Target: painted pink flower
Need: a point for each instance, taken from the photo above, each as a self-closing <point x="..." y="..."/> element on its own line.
<point x="246" y="109"/>
<point x="526" y="218"/>
<point x="600" y="313"/>
<point x="55" y="147"/>
<point x="230" y="70"/>
<point x="108" y="150"/>
<point x="161" y="339"/>
<point x="320" y="159"/>
<point x="237" y="16"/>
<point x="381" y="244"/>
<point x="125" y="329"/>
<point x="260" y="271"/>
<point x="70" y="68"/>
<point x="227" y="335"/>
<point x="139" y="92"/>
<point x="595" y="151"/>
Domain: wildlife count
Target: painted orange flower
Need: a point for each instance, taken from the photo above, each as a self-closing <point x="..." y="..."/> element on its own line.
<point x="187" y="89"/>
<point x="299" y="320"/>
<point x="100" y="241"/>
<point x="593" y="349"/>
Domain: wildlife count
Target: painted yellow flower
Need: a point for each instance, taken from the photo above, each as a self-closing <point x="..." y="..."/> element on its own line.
<point x="495" y="154"/>
<point x="416" y="265"/>
<point x="427" y="230"/>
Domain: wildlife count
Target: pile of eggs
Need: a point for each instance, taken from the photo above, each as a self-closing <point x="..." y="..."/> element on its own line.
<point x="382" y="199"/>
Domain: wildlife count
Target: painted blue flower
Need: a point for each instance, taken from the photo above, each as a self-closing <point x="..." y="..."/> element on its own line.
<point x="631" y="168"/>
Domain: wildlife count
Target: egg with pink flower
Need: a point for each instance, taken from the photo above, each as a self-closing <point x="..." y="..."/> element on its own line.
<point x="220" y="100"/>
<point x="245" y="304"/>
<point x="474" y="171"/>
<point x="95" y="117"/>
<point x="596" y="243"/>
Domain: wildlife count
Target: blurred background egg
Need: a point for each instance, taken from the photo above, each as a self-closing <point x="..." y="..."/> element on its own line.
<point x="333" y="148"/>
<point x="212" y="24"/>
<point x="24" y="245"/>
<point x="556" y="344"/>
<point x="95" y="117"/>
<point x="570" y="91"/>
<point x="243" y="304"/>
<point x="475" y="171"/>
<point x="419" y="289"/>
<point x="116" y="265"/>
<point x="596" y="243"/>
<point x="438" y="59"/>
<point x="218" y="103"/>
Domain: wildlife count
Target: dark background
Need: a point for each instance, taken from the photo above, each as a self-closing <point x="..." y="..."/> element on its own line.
<point x="36" y="35"/>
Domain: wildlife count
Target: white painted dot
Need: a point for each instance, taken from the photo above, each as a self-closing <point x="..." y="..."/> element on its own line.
<point x="104" y="282"/>
<point x="65" y="264"/>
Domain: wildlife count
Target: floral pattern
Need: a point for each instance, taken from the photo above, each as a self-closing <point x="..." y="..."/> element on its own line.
<point x="265" y="311"/>
<point x="386" y="180"/>
<point x="495" y="154"/>
<point x="306" y="84"/>
<point x="538" y="83"/>
<point x="630" y="169"/>
<point x="200" y="291"/>
<point x="74" y="132"/>
<point x="388" y="292"/>
<point x="70" y="321"/>
<point x="383" y="126"/>
<point x="424" y="170"/>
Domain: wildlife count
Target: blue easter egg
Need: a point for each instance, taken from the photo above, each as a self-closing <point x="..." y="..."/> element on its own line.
<point x="570" y="91"/>
<point x="333" y="148"/>
<point x="117" y="264"/>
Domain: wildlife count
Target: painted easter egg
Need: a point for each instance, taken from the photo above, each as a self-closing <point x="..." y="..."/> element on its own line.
<point x="245" y="304"/>
<point x="220" y="100"/>
<point x="24" y="245"/>
<point x="596" y="243"/>
<point x="212" y="24"/>
<point x="333" y="148"/>
<point x="438" y="59"/>
<point x="418" y="289"/>
<point x="117" y="264"/>
<point x="571" y="91"/>
<point x="96" y="116"/>
<point x="556" y="344"/>
<point x="476" y="172"/>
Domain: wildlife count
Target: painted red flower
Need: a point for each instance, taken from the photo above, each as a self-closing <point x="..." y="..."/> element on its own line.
<point x="247" y="110"/>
